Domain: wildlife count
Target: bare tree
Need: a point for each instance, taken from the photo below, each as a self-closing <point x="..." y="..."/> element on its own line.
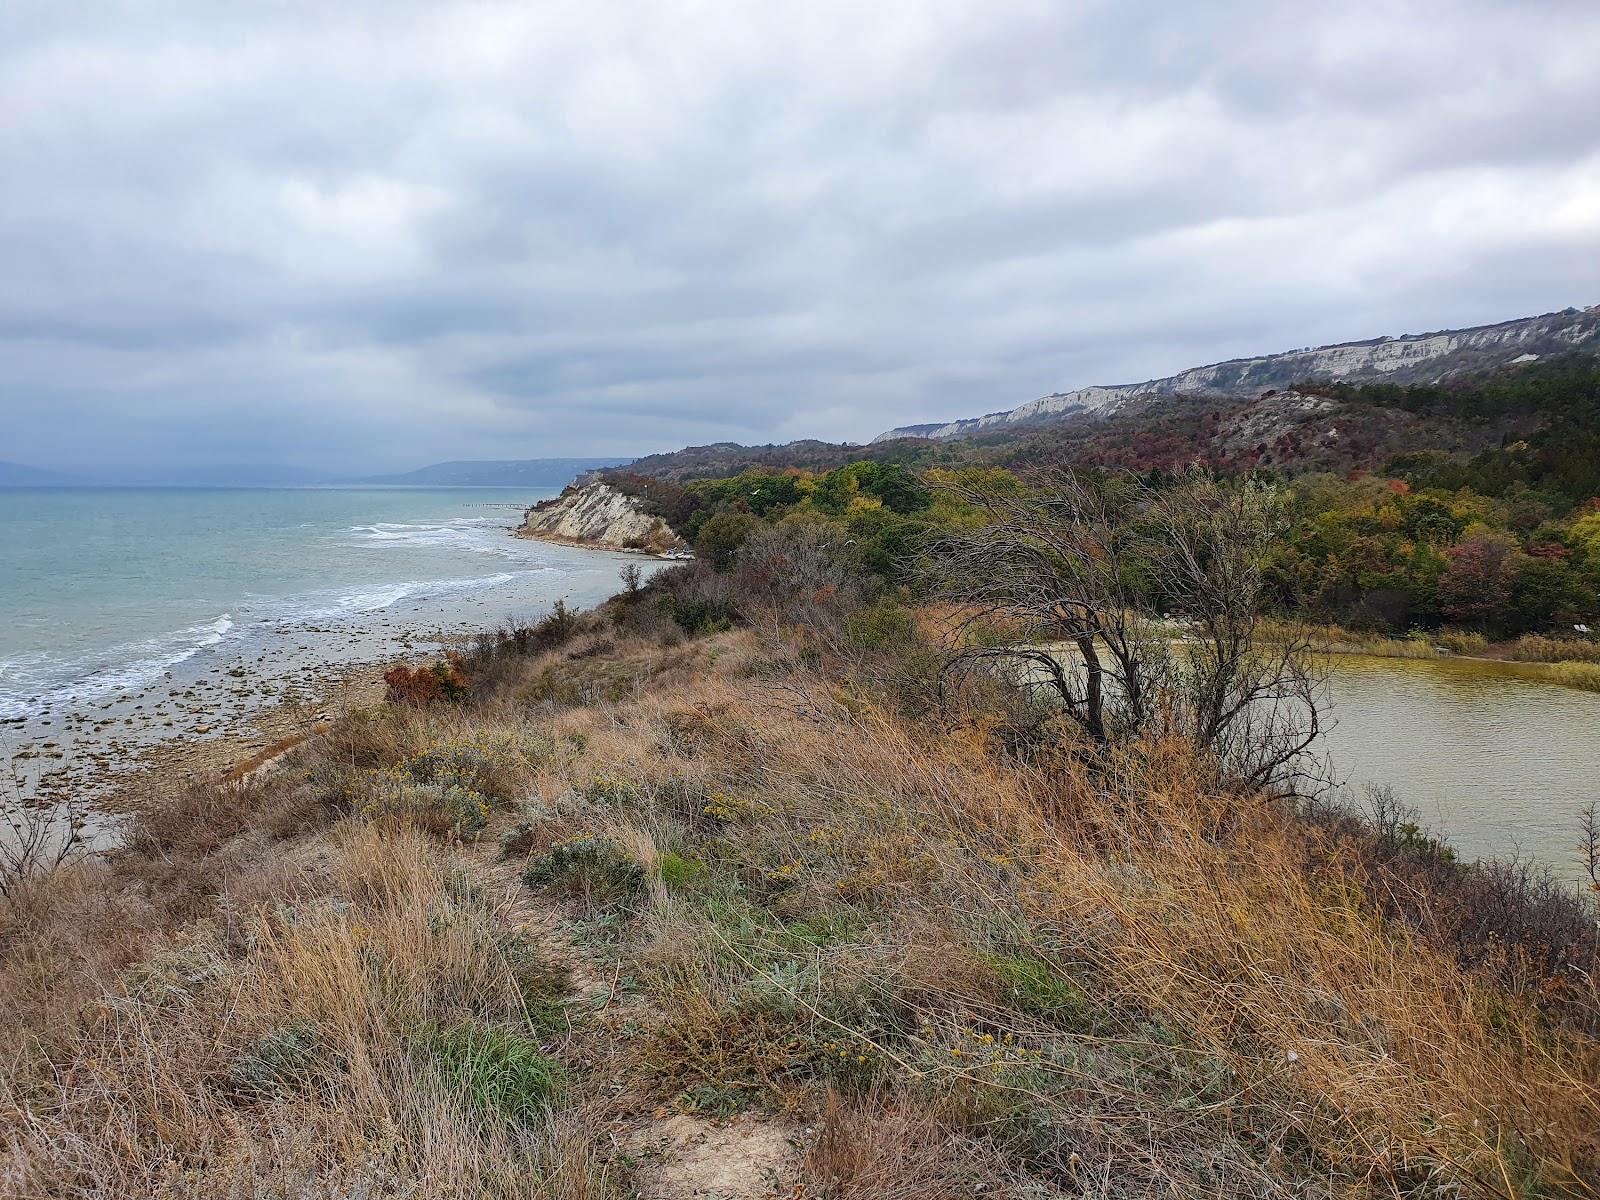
<point x="1256" y="704"/>
<point x="1589" y="847"/>
<point x="1076" y="571"/>
<point x="35" y="841"/>
<point x="1051" y="566"/>
<point x="796" y="573"/>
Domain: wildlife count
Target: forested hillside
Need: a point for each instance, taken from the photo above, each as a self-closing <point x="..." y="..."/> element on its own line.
<point x="1474" y="503"/>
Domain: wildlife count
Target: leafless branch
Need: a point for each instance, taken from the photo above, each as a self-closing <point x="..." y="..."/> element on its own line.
<point x="1078" y="571"/>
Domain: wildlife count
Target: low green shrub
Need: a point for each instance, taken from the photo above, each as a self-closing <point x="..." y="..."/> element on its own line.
<point x="280" y="1062"/>
<point x="450" y="787"/>
<point x="714" y="1100"/>
<point x="698" y="617"/>
<point x="441" y="810"/>
<point x="884" y="626"/>
<point x="554" y="630"/>
<point x="496" y="765"/>
<point x="594" y="868"/>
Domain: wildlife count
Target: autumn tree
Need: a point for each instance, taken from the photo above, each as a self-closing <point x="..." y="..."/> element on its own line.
<point x="1476" y="585"/>
<point x="1068" y="588"/>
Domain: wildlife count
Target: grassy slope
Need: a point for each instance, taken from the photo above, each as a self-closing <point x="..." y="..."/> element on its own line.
<point x="903" y="962"/>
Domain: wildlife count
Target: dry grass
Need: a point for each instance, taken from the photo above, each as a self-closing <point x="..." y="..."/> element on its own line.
<point x="1572" y="662"/>
<point x="899" y="1147"/>
<point x="1534" y="648"/>
<point x="1334" y="639"/>
<point x="1576" y="674"/>
<point x="974" y="965"/>
<point x="278" y="1045"/>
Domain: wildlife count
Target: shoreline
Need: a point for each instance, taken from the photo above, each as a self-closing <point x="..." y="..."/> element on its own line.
<point x="559" y="539"/>
<point x="264" y="738"/>
<point x="1582" y="673"/>
<point x="231" y="708"/>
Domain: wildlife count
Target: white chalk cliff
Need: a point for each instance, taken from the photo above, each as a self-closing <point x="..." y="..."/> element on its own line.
<point x="1415" y="358"/>
<point x="597" y="514"/>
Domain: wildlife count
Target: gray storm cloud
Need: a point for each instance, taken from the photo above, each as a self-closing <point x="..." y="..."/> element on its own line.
<point x="370" y="235"/>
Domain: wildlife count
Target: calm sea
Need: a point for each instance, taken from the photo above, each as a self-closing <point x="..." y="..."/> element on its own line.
<point x="124" y="611"/>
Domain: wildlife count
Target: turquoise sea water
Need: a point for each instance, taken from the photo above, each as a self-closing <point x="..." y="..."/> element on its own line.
<point x="124" y="609"/>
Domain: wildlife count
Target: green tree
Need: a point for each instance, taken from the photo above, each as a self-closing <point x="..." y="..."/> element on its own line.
<point x="721" y="536"/>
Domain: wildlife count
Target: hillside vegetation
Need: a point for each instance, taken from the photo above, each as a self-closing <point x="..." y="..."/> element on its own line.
<point x="945" y="829"/>
<point x="732" y="888"/>
<point x="1473" y="504"/>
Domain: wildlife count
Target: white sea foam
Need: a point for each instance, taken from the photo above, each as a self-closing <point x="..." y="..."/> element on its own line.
<point x="480" y="535"/>
<point x="33" y="681"/>
<point x="330" y="605"/>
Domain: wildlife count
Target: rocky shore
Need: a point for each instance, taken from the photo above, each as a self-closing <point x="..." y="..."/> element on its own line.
<point x="226" y="709"/>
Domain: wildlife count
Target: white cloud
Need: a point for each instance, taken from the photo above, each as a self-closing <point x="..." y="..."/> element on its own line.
<point x="381" y="232"/>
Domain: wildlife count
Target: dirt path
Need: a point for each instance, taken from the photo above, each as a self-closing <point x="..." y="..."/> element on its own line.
<point x="684" y="1157"/>
<point x="675" y="1156"/>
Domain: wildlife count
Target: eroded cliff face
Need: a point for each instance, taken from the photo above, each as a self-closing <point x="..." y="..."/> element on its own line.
<point x="1416" y="358"/>
<point x="596" y="514"/>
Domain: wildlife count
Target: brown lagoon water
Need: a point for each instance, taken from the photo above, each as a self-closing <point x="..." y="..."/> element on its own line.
<point x="1491" y="756"/>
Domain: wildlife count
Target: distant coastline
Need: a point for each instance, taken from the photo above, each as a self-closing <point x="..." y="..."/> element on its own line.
<point x="500" y="473"/>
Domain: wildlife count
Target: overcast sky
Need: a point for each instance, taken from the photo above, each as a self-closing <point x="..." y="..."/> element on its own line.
<point x="374" y="235"/>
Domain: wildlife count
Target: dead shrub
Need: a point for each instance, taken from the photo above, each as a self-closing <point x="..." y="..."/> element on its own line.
<point x="893" y="1146"/>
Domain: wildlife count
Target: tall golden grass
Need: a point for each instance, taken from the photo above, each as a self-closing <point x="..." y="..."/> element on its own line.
<point x="971" y="964"/>
<point x="1576" y="674"/>
<point x="1534" y="648"/>
<point x="123" y="1076"/>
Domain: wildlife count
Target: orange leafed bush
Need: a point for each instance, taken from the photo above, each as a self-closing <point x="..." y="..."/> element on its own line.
<point x="447" y="680"/>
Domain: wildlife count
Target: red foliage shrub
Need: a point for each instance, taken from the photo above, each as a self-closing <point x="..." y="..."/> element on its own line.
<point x="445" y="680"/>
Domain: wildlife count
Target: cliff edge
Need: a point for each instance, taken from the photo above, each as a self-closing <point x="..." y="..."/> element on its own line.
<point x="597" y="514"/>
<point x="1411" y="358"/>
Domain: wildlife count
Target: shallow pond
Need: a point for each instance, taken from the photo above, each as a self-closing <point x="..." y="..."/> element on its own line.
<point x="1491" y="757"/>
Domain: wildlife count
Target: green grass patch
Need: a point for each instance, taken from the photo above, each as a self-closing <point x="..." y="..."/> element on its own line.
<point x="1036" y="987"/>
<point x="679" y="873"/>
<point x="545" y="986"/>
<point x="496" y="1071"/>
<point x="763" y="937"/>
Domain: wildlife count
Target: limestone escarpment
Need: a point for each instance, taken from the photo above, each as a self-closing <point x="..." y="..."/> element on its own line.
<point x="1414" y="358"/>
<point x="597" y="514"/>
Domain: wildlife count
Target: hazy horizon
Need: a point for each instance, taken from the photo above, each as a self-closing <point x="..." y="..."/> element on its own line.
<point x="361" y="240"/>
<point x="203" y="474"/>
